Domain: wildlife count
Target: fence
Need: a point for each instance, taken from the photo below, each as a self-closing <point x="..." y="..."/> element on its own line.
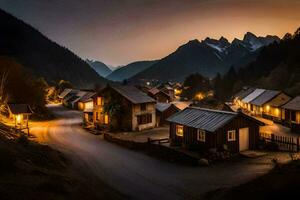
<point x="284" y="143"/>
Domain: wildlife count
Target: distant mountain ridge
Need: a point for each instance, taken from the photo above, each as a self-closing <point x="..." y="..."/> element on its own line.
<point x="207" y="57"/>
<point x="126" y="72"/>
<point x="41" y="56"/>
<point x="101" y="68"/>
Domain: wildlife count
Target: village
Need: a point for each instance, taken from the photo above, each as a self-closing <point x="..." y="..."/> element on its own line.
<point x="254" y="120"/>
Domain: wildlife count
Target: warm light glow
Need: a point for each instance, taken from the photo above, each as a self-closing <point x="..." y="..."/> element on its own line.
<point x="199" y="96"/>
<point x="268" y="108"/>
<point x="177" y="91"/>
<point x="106" y="119"/>
<point x="88" y="105"/>
<point x="18" y="118"/>
<point x="277" y="112"/>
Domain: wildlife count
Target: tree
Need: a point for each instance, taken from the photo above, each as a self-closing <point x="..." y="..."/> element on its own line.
<point x="194" y="84"/>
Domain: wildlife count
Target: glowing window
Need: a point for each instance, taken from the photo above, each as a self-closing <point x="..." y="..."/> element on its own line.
<point x="231" y="135"/>
<point x="179" y="130"/>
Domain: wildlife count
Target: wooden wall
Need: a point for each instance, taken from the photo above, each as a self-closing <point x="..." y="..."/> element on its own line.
<point x="218" y="138"/>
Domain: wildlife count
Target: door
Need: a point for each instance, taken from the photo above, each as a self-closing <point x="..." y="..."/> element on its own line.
<point x="244" y="139"/>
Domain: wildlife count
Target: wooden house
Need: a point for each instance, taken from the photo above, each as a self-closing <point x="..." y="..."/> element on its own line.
<point x="159" y="95"/>
<point x="71" y="96"/>
<point x="237" y="98"/>
<point x="63" y="94"/>
<point x="86" y="101"/>
<point x="123" y="107"/>
<point x="164" y="111"/>
<point x="245" y="102"/>
<point x="291" y="114"/>
<point x="268" y="104"/>
<point x="19" y="114"/>
<point x="198" y="128"/>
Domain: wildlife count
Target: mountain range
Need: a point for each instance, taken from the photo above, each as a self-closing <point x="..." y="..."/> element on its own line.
<point x="41" y="56"/>
<point x="101" y="68"/>
<point x="129" y="70"/>
<point x="207" y="57"/>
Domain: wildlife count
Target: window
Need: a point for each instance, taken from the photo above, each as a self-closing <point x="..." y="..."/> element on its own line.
<point x="143" y="107"/>
<point x="100" y="101"/>
<point x="231" y="135"/>
<point x="106" y="119"/>
<point x="144" y="119"/>
<point x="201" y="135"/>
<point x="179" y="130"/>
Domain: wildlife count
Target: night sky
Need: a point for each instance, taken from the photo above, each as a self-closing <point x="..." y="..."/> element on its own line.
<point x="121" y="31"/>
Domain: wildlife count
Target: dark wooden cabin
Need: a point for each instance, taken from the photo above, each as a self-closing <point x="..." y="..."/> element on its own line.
<point x="163" y="111"/>
<point x="159" y="95"/>
<point x="199" y="128"/>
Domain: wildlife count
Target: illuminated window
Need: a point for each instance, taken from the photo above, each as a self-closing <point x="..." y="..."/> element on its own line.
<point x="106" y="119"/>
<point x="231" y="135"/>
<point x="179" y="130"/>
<point x="100" y="101"/>
<point x="201" y="135"/>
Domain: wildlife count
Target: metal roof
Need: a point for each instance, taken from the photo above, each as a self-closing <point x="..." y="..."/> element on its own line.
<point x="294" y="104"/>
<point x="64" y="93"/>
<point x="244" y="92"/>
<point x="161" y="107"/>
<point x="265" y="97"/>
<point x="88" y="96"/>
<point x="200" y="118"/>
<point x="132" y="94"/>
<point x="253" y="95"/>
<point x="19" y="109"/>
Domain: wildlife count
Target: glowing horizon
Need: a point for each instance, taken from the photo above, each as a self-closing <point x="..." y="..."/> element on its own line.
<point x="119" y="32"/>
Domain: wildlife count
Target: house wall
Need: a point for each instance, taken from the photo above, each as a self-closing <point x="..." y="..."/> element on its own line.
<point x="160" y="97"/>
<point x="136" y="111"/>
<point x="162" y="116"/>
<point x="216" y="139"/>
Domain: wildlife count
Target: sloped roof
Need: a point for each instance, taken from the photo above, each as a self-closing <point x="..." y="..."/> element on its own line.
<point x="19" y="109"/>
<point x="64" y="93"/>
<point x="206" y="119"/>
<point x="244" y="92"/>
<point x="133" y="94"/>
<point x="79" y="95"/>
<point x="253" y="95"/>
<point x="294" y="104"/>
<point x="88" y="96"/>
<point x="161" y="107"/>
<point x="154" y="91"/>
<point x="265" y="97"/>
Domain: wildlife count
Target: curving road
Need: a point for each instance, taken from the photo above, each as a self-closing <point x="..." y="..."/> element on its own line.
<point x="135" y="174"/>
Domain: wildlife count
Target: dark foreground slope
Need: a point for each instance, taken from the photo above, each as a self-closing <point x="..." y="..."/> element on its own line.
<point x="41" y="56"/>
<point x="29" y="170"/>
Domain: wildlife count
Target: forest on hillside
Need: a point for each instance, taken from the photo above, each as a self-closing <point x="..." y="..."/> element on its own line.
<point x="276" y="67"/>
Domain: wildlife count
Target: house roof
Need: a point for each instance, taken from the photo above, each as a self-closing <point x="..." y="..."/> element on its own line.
<point x="265" y="97"/>
<point x="206" y="119"/>
<point x="19" y="109"/>
<point x="253" y="95"/>
<point x="161" y="107"/>
<point x="64" y="93"/>
<point x="88" y="96"/>
<point x="78" y="96"/>
<point x="244" y="92"/>
<point x="132" y="94"/>
<point x="154" y="91"/>
<point x="294" y="104"/>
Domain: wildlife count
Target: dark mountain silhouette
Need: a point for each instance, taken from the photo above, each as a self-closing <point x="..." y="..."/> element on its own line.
<point x="41" y="56"/>
<point x="277" y="66"/>
<point x="129" y="70"/>
<point x="207" y="57"/>
<point x="102" y="69"/>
